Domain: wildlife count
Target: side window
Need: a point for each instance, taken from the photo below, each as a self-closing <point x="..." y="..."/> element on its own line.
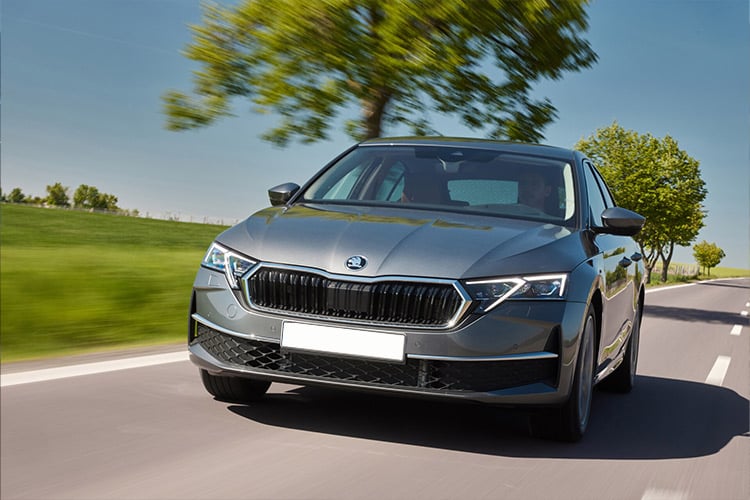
<point x="392" y="186"/>
<point x="608" y="200"/>
<point x="343" y="180"/>
<point x="343" y="188"/>
<point x="597" y="203"/>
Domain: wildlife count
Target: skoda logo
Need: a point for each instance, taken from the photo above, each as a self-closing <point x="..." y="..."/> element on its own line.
<point x="356" y="262"/>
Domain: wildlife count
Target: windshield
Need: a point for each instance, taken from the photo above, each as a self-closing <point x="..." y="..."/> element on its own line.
<point x="451" y="178"/>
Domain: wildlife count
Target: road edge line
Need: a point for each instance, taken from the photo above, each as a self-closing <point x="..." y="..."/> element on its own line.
<point x="62" y="372"/>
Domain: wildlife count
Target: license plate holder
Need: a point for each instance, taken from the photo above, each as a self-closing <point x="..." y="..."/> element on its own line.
<point x="383" y="346"/>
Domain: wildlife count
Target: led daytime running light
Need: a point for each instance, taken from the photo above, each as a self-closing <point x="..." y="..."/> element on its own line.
<point x="492" y="292"/>
<point x="233" y="265"/>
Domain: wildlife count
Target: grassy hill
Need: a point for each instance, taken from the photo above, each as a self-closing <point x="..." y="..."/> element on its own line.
<point x="74" y="281"/>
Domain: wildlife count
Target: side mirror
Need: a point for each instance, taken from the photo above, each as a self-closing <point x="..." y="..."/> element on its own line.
<point x="620" y="221"/>
<point x="282" y="193"/>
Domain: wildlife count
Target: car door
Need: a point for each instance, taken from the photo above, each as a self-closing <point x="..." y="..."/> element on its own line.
<point x="617" y="257"/>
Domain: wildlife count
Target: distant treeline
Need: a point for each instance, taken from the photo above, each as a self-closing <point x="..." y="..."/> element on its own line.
<point x="85" y="198"/>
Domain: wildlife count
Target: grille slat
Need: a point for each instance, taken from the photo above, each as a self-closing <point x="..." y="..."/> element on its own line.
<point x="416" y="303"/>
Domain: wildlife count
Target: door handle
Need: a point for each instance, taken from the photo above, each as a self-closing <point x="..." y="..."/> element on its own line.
<point x="625" y="262"/>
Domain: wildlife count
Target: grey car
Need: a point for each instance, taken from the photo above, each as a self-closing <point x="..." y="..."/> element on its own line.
<point x="476" y="270"/>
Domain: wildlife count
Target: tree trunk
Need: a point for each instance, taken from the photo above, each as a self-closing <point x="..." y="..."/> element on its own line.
<point x="373" y="110"/>
<point x="649" y="261"/>
<point x="665" y="262"/>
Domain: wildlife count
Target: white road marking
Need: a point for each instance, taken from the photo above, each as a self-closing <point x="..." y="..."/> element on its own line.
<point x="736" y="330"/>
<point x="743" y="313"/>
<point x="747" y="304"/>
<point x="663" y="494"/>
<point x="673" y="287"/>
<point x="90" y="368"/>
<point x="719" y="371"/>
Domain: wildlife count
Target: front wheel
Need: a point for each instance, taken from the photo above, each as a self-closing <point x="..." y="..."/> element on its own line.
<point x="234" y="389"/>
<point x="569" y="422"/>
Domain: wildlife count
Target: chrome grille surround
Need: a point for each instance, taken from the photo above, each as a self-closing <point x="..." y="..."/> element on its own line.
<point x="342" y="285"/>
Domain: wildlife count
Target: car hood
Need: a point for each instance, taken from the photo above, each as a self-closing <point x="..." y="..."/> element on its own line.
<point x="405" y="242"/>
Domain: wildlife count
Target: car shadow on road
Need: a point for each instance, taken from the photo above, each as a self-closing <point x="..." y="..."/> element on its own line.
<point x="724" y="284"/>
<point x="693" y="315"/>
<point x="661" y="419"/>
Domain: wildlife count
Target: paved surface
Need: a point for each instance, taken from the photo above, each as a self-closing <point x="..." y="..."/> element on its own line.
<point x="153" y="433"/>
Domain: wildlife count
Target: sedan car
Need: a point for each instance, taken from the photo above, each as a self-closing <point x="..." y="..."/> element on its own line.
<point x="476" y="270"/>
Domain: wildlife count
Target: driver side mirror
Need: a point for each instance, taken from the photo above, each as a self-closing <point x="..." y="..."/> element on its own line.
<point x="281" y="194"/>
<point x="621" y="221"/>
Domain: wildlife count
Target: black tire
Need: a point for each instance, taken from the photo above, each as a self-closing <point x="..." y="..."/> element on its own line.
<point x="234" y="389"/>
<point x="569" y="422"/>
<point x="622" y="379"/>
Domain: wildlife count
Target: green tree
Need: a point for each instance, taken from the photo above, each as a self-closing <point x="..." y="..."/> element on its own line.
<point x="85" y="196"/>
<point x="89" y="197"/>
<point x="708" y="255"/>
<point x="16" y="196"/>
<point x="395" y="59"/>
<point x="57" y="195"/>
<point x="655" y="178"/>
<point x="107" y="202"/>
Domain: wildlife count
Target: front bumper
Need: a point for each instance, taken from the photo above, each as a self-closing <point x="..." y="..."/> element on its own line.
<point x="521" y="353"/>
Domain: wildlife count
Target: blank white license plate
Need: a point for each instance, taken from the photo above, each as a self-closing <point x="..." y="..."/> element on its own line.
<point x="348" y="341"/>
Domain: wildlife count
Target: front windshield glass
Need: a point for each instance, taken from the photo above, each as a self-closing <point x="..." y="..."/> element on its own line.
<point x="451" y="178"/>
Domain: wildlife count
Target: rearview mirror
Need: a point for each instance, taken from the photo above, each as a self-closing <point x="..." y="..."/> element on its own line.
<point x="621" y="221"/>
<point x="282" y="193"/>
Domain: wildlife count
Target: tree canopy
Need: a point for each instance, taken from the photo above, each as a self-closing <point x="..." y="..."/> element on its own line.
<point x="708" y="255"/>
<point x="16" y="196"/>
<point x="85" y="197"/>
<point x="655" y="178"/>
<point x="395" y="59"/>
<point x="89" y="197"/>
<point x="57" y="195"/>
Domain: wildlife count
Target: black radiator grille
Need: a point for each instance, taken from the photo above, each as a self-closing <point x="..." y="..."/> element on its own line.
<point x="476" y="376"/>
<point x="387" y="302"/>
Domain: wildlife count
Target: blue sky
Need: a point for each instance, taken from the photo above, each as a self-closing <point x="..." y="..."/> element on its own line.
<point x="82" y="79"/>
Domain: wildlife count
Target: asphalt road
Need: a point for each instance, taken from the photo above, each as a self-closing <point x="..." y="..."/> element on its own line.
<point x="153" y="433"/>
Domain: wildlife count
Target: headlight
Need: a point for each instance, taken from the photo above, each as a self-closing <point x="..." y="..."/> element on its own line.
<point x="233" y="265"/>
<point x="491" y="292"/>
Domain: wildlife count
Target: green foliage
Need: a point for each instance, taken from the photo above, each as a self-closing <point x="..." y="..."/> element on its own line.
<point x="84" y="196"/>
<point x="655" y="178"/>
<point x="675" y="277"/>
<point x="57" y="195"/>
<point x="90" y="197"/>
<point x="730" y="272"/>
<point x="307" y="61"/>
<point x="708" y="255"/>
<point x="16" y="196"/>
<point x="72" y="281"/>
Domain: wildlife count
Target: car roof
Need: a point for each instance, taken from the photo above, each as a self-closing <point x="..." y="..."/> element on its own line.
<point x="465" y="142"/>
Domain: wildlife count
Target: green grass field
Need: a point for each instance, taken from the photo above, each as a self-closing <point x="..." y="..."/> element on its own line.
<point x="76" y="281"/>
<point x="716" y="273"/>
<point x="725" y="272"/>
